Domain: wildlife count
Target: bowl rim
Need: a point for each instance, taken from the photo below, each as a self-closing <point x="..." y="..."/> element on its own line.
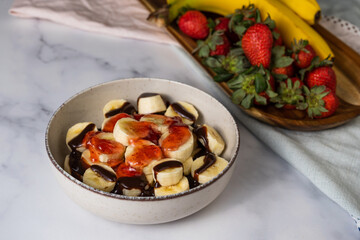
<point x="149" y="198"/>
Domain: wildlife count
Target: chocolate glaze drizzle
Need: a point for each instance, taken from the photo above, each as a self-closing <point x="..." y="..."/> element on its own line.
<point x="105" y="174"/>
<point x="163" y="166"/>
<point x="183" y="112"/>
<point x="77" y="170"/>
<point x="125" y="108"/>
<point x="209" y="160"/>
<point x="138" y="182"/>
<point x="201" y="133"/>
<point x="77" y="141"/>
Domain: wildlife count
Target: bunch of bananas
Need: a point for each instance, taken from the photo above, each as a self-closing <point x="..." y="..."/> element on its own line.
<point x="293" y="18"/>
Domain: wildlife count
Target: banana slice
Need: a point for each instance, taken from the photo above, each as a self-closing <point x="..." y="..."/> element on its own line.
<point x="86" y="159"/>
<point x="76" y="134"/>
<point x="110" y="150"/>
<point x="186" y="111"/>
<point x="101" y="177"/>
<point x="177" y="143"/>
<point x="150" y="103"/>
<point x="148" y="170"/>
<point x="182" y="186"/>
<point x="109" y="123"/>
<point x="116" y="106"/>
<point x="168" y="172"/>
<point x="187" y="165"/>
<point x="141" y="153"/>
<point x="128" y="130"/>
<point x="162" y="122"/>
<point x="210" y="138"/>
<point x="205" y="168"/>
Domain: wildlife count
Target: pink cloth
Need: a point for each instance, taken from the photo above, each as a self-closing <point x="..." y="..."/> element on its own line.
<point x="122" y="18"/>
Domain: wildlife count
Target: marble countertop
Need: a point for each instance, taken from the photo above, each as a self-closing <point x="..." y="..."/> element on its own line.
<point x="42" y="64"/>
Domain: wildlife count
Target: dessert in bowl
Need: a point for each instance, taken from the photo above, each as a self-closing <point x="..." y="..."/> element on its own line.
<point x="160" y="200"/>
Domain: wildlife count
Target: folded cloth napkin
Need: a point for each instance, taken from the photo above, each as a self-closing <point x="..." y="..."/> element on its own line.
<point x="330" y="159"/>
<point x="125" y="18"/>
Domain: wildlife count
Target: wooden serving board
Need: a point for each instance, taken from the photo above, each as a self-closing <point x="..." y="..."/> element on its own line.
<point x="347" y="69"/>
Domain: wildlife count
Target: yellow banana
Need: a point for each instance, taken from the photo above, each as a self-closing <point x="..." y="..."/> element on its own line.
<point x="309" y="10"/>
<point x="290" y="25"/>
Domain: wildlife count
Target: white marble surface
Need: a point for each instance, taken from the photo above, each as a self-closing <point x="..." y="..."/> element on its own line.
<point x="42" y="64"/>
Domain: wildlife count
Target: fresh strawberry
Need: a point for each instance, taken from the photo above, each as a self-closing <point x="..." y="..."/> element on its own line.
<point x="303" y="53"/>
<point x="288" y="71"/>
<point x="321" y="102"/>
<point x="194" y="24"/>
<point x="257" y="43"/>
<point x="264" y="93"/>
<point x="221" y="49"/>
<point x="253" y="87"/>
<point x="223" y="24"/>
<point x="321" y="76"/>
<point x="278" y="41"/>
<point x="290" y="94"/>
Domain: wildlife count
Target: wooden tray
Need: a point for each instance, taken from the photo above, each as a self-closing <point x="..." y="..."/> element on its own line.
<point x="347" y="69"/>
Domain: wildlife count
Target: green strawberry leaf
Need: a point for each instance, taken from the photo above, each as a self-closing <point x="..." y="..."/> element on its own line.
<point x="211" y="23"/>
<point x="240" y="30"/>
<point x="204" y="51"/>
<point x="238" y="96"/>
<point x="247" y="101"/>
<point x="219" y="70"/>
<point x="236" y="82"/>
<point x="260" y="83"/>
<point x="271" y="23"/>
<point x="280" y="77"/>
<point x="223" y="77"/>
<point x="257" y="16"/>
<point x="260" y="99"/>
<point x="278" y="51"/>
<point x="276" y="35"/>
<point x="283" y="62"/>
<point x="212" y="62"/>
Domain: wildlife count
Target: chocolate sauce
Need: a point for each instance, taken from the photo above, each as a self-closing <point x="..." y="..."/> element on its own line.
<point x="192" y="182"/>
<point x="105" y="174"/>
<point x="209" y="160"/>
<point x="201" y="133"/>
<point x="77" y="141"/>
<point x="77" y="170"/>
<point x="183" y="112"/>
<point x="138" y="182"/>
<point x="125" y="108"/>
<point x="163" y="166"/>
<point x="200" y="153"/>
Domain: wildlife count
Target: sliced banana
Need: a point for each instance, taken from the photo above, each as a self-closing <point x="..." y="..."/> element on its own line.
<point x="168" y="172"/>
<point x="205" y="168"/>
<point x="182" y="152"/>
<point x="132" y="192"/>
<point x="181" y="186"/>
<point x="148" y="170"/>
<point x="122" y="132"/>
<point x="186" y="111"/>
<point x="141" y="153"/>
<point x="117" y="153"/>
<point x="187" y="165"/>
<point x="151" y="103"/>
<point x="76" y="134"/>
<point x="116" y="106"/>
<point x="162" y="122"/>
<point x="101" y="177"/>
<point x="211" y="139"/>
<point x="86" y="159"/>
<point x="109" y="123"/>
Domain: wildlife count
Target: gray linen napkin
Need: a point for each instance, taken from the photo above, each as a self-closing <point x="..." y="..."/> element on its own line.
<point x="330" y="159"/>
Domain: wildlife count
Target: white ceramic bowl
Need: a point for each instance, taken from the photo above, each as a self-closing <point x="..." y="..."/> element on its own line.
<point x="87" y="106"/>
